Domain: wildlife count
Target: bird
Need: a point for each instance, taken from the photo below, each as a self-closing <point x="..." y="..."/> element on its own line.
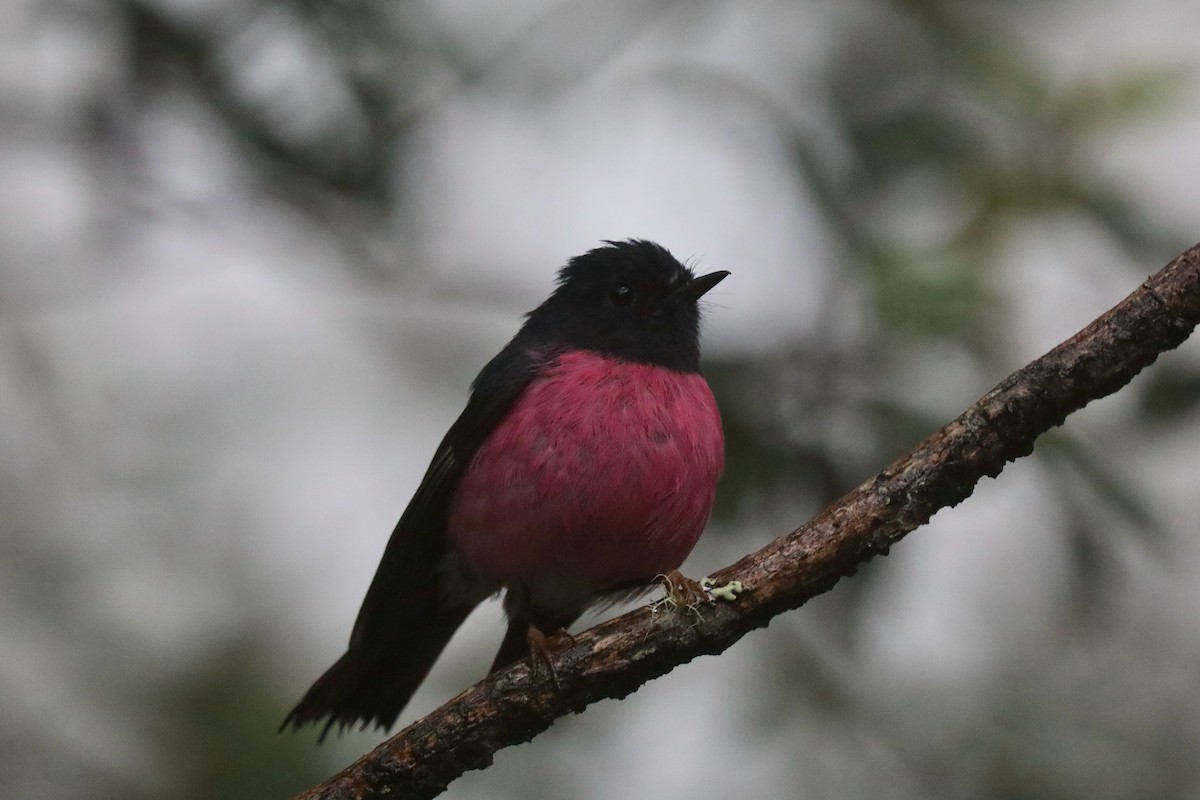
<point x="584" y="465"/>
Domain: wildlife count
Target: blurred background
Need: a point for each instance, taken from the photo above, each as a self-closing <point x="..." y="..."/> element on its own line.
<point x="253" y="254"/>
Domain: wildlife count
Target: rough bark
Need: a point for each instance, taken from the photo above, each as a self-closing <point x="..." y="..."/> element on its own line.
<point x="616" y="657"/>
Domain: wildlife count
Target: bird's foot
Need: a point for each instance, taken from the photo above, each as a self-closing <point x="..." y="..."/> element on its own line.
<point x="540" y="647"/>
<point x="683" y="592"/>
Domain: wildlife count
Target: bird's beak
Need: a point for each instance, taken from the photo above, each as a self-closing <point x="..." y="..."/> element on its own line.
<point x="696" y="287"/>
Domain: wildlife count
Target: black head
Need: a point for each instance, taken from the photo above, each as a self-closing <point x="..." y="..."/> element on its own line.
<point x="630" y="299"/>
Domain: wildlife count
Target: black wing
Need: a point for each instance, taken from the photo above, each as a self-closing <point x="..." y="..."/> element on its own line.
<point x="407" y="617"/>
<point x="418" y="542"/>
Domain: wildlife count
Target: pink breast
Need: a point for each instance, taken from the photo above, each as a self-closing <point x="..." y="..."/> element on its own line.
<point x="604" y="471"/>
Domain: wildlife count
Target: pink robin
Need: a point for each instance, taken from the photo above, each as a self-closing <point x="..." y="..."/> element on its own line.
<point x="584" y="465"/>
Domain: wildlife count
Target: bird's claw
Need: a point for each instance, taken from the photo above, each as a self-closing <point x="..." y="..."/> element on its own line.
<point x="683" y="592"/>
<point x="540" y="647"/>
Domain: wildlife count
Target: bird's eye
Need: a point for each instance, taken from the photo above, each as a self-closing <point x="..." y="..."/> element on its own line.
<point x="622" y="295"/>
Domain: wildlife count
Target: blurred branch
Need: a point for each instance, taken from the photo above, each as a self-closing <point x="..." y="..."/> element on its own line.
<point x="616" y="657"/>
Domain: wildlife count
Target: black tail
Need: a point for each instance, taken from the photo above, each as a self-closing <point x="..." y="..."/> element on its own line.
<point x="369" y="685"/>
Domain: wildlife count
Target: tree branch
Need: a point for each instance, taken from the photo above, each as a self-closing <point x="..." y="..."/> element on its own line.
<point x="616" y="657"/>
